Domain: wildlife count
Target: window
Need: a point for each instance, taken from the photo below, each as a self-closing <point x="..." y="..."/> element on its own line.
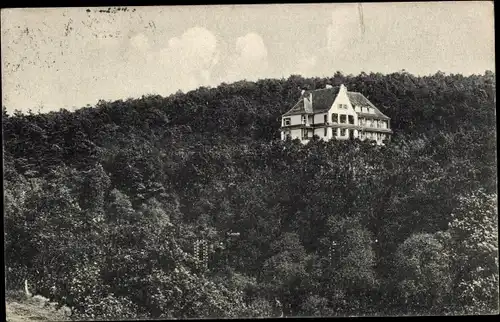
<point x="326" y="131"/>
<point x="325" y="120"/>
<point x="351" y="119"/>
<point x="286" y="121"/>
<point x="342" y="132"/>
<point x="304" y="133"/>
<point x="303" y="119"/>
<point x="343" y="118"/>
<point x="343" y="106"/>
<point x="335" y="118"/>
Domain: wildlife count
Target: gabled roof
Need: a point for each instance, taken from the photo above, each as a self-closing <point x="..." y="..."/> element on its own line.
<point x="322" y="100"/>
<point x="358" y="99"/>
<point x="297" y="108"/>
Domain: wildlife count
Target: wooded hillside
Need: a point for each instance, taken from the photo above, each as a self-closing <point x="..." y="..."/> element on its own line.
<point x="103" y="205"/>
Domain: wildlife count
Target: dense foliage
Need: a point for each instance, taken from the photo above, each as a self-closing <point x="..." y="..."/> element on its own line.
<point x="103" y="205"/>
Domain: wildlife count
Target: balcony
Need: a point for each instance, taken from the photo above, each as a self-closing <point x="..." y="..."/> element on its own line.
<point x="297" y="126"/>
<point x="374" y="129"/>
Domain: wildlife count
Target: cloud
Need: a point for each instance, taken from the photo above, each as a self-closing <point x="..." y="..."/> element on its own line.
<point x="196" y="49"/>
<point x="185" y="63"/>
<point x="250" y="61"/>
<point x="251" y="47"/>
<point x="101" y="60"/>
<point x="190" y="57"/>
<point x="79" y="57"/>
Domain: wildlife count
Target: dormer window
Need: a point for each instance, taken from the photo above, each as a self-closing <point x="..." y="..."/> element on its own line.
<point x="286" y="121"/>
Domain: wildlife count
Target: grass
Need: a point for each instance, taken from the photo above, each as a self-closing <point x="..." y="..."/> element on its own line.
<point x="21" y="308"/>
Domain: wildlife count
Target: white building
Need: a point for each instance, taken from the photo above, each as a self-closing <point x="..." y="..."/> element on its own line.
<point x="334" y="112"/>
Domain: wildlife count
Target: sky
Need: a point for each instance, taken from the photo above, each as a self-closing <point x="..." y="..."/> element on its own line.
<point x="55" y="58"/>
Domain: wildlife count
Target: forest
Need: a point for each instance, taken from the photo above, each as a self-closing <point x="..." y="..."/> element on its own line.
<point x="104" y="206"/>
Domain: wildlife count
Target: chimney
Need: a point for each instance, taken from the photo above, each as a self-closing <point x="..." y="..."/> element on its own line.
<point x="302" y="92"/>
<point x="328" y="86"/>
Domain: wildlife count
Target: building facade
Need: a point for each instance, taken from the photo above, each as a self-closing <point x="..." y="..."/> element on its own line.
<point x="335" y="113"/>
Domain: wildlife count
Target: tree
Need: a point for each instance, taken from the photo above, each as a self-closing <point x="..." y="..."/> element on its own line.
<point x="422" y="274"/>
<point x="284" y="273"/>
<point x="347" y="266"/>
<point x="473" y="243"/>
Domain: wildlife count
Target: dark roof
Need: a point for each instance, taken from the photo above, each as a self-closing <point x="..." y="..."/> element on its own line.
<point x="322" y="100"/>
<point x="297" y="108"/>
<point x="358" y="99"/>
